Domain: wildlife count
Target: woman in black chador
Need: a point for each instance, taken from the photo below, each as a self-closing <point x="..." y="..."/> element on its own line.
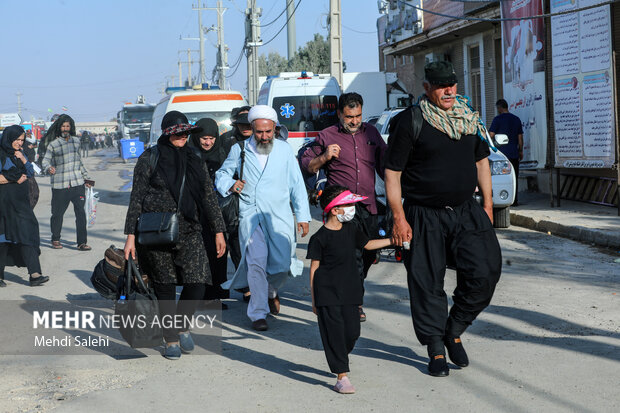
<point x="157" y="189"/>
<point x="19" y="228"/>
<point x="207" y="141"/>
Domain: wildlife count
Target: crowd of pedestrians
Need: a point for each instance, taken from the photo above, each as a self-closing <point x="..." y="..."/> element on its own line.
<point x="435" y="157"/>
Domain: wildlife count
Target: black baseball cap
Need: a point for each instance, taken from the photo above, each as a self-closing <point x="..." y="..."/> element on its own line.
<point x="440" y="73"/>
<point x="236" y="117"/>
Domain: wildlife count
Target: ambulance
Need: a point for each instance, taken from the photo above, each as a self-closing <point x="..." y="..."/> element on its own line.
<point x="305" y="103"/>
<point x="197" y="104"/>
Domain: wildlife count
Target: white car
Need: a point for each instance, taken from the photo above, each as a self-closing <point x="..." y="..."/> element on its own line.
<point x="502" y="174"/>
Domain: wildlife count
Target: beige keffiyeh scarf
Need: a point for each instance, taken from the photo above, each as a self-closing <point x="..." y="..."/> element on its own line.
<point x="460" y="120"/>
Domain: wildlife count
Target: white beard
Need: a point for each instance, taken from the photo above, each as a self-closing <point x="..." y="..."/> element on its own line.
<point x="264" y="148"/>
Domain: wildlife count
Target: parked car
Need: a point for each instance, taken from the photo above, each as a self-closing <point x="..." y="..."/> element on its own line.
<point x="372" y="120"/>
<point x="502" y="174"/>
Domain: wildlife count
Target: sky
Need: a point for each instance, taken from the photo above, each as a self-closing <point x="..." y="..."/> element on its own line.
<point x="92" y="56"/>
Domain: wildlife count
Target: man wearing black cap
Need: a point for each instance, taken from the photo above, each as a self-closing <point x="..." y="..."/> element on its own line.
<point x="241" y="128"/>
<point x="437" y="154"/>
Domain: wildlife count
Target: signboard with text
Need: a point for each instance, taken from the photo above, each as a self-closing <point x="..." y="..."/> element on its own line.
<point x="583" y="87"/>
<point x="523" y="44"/>
<point x="8" y="119"/>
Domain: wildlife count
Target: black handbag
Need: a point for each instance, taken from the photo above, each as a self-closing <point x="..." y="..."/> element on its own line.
<point x="138" y="310"/>
<point x="229" y="205"/>
<point x="160" y="229"/>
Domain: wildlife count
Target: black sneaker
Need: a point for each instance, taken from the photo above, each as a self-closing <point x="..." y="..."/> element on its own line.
<point x="2" y="283"/>
<point x="41" y="279"/>
<point x="456" y="351"/>
<point x="438" y="367"/>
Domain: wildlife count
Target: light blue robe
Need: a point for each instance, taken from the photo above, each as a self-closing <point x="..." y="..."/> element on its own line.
<point x="266" y="199"/>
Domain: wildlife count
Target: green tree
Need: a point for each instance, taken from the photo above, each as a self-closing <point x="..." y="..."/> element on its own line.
<point x="313" y="57"/>
<point x="273" y="64"/>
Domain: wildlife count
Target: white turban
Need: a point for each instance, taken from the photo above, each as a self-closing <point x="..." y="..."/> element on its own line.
<point x="262" y="112"/>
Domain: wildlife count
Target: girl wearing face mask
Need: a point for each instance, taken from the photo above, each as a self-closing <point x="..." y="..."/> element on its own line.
<point x="335" y="281"/>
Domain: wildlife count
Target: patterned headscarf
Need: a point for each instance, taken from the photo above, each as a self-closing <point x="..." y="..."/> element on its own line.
<point x="460" y="120"/>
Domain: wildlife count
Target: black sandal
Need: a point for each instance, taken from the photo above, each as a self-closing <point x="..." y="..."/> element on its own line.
<point x="362" y="315"/>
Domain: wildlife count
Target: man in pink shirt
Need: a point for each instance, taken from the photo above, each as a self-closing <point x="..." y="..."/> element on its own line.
<point x="352" y="151"/>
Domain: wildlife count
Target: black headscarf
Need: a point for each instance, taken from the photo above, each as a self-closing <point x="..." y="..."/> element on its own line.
<point x="10" y="135"/>
<point x="54" y="132"/>
<point x="215" y="156"/>
<point x="172" y="161"/>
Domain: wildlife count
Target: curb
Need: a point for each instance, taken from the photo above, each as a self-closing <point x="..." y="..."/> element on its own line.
<point x="583" y="234"/>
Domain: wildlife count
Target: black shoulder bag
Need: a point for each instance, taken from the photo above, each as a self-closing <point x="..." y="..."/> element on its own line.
<point x="160" y="229"/>
<point x="229" y="205"/>
<point x="137" y="309"/>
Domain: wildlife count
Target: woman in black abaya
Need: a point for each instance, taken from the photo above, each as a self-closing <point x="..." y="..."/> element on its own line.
<point x="19" y="228"/>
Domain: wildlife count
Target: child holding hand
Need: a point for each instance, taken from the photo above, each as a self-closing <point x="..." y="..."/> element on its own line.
<point x="335" y="281"/>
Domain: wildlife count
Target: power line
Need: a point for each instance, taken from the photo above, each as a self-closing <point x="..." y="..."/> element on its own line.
<point x="274" y="20"/>
<point x="505" y="19"/>
<point x="282" y="28"/>
<point x="82" y="85"/>
<point x="237" y="63"/>
<point x="358" y="31"/>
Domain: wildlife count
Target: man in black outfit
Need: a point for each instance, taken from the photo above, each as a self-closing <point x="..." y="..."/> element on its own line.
<point x="241" y="130"/>
<point x="436" y="172"/>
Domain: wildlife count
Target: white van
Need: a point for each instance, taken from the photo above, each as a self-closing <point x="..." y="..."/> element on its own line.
<point x="305" y="103"/>
<point x="197" y="104"/>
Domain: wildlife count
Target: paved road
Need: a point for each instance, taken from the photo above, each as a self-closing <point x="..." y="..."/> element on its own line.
<point x="550" y="341"/>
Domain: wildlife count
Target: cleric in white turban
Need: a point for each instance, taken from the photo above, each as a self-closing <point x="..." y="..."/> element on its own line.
<point x="270" y="190"/>
<point x="262" y="112"/>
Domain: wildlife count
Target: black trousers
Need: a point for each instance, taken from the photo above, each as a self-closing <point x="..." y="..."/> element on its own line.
<point x="60" y="201"/>
<point x="186" y="306"/>
<point x="515" y="165"/>
<point x="232" y="242"/>
<point x="217" y="266"/>
<point x="340" y="328"/>
<point x="369" y="224"/>
<point x="466" y="236"/>
<point x="29" y="255"/>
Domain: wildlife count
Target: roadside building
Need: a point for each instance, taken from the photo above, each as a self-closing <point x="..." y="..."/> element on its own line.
<point x="515" y="60"/>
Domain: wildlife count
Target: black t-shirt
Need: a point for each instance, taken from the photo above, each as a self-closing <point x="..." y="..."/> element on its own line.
<point x="437" y="171"/>
<point x="337" y="281"/>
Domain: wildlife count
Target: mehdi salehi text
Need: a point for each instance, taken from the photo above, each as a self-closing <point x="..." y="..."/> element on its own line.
<point x="69" y="341"/>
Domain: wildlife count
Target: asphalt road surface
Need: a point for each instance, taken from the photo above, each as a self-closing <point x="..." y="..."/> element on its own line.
<point x="549" y="341"/>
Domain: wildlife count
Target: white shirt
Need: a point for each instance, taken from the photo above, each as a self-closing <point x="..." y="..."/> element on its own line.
<point x="262" y="158"/>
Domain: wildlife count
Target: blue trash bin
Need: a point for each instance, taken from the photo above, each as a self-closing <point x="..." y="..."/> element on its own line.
<point x="131" y="148"/>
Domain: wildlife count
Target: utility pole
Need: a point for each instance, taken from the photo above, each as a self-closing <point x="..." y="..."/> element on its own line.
<point x="222" y="55"/>
<point x="335" y="40"/>
<point x="189" y="63"/>
<point x="200" y="39"/>
<point x="202" y="45"/>
<point x="222" y="49"/>
<point x="252" y="41"/>
<point x="189" y="68"/>
<point x="19" y="103"/>
<point x="180" y="75"/>
<point x="290" y="28"/>
<point x="222" y="61"/>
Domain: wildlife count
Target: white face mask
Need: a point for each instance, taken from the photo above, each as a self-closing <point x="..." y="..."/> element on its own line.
<point x="349" y="213"/>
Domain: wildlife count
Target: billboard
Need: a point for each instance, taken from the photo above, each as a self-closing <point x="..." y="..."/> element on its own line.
<point x="583" y="86"/>
<point x="523" y="45"/>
